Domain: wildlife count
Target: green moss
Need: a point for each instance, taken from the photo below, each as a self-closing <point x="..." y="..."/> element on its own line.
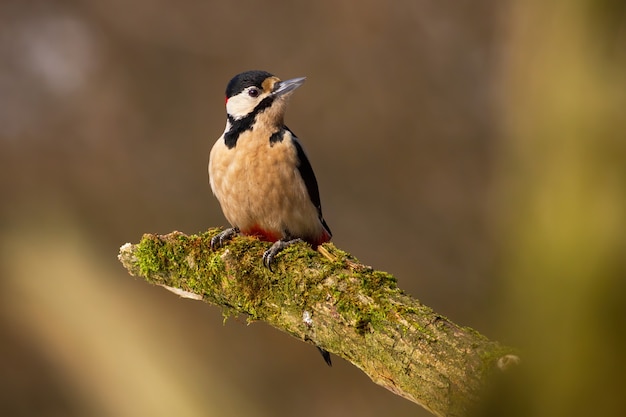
<point x="377" y="280"/>
<point x="357" y="312"/>
<point x="341" y="255"/>
<point x="148" y="256"/>
<point x="214" y="268"/>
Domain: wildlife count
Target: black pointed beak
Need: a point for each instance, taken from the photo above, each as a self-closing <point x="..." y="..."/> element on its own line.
<point x="283" y="87"/>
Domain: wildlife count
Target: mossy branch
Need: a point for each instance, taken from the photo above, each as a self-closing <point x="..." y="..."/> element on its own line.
<point x="346" y="308"/>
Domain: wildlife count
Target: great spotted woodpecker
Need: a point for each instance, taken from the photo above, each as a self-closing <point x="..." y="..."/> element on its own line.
<point x="259" y="172"/>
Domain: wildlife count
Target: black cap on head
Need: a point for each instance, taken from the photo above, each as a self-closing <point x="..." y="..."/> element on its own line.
<point x="244" y="80"/>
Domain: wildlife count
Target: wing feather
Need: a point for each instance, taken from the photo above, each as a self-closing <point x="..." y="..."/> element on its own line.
<point x="306" y="171"/>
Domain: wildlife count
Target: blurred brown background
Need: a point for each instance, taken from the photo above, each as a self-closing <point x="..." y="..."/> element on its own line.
<point x="422" y="120"/>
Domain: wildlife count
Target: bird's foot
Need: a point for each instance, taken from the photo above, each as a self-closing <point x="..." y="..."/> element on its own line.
<point x="278" y="246"/>
<point x="223" y="237"/>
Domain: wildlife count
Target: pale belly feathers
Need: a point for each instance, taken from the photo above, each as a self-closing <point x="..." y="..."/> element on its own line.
<point x="260" y="188"/>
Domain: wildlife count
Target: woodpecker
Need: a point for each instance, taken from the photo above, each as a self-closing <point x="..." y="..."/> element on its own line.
<point x="260" y="173"/>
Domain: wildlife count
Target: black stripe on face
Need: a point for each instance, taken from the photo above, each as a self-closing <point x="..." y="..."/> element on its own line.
<point x="238" y="126"/>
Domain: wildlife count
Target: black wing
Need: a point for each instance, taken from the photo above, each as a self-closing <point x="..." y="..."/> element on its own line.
<point x="306" y="171"/>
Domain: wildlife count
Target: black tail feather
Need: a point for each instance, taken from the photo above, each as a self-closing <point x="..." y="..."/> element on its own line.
<point x="325" y="355"/>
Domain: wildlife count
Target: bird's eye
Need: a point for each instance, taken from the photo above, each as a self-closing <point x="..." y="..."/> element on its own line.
<point x="253" y="92"/>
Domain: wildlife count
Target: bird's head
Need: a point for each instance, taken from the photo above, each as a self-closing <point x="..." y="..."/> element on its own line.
<point x="258" y="92"/>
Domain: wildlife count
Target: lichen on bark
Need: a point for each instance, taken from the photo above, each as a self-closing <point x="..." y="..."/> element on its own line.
<point x="333" y="302"/>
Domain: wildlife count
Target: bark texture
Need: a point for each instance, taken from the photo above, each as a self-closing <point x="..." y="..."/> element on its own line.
<point x="347" y="308"/>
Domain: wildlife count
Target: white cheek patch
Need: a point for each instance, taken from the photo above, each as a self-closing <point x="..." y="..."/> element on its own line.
<point x="240" y="105"/>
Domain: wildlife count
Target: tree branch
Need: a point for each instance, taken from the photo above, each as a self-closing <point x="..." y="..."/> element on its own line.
<point x="342" y="306"/>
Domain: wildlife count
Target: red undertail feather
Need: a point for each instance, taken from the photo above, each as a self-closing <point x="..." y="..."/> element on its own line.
<point x="325" y="237"/>
<point x="262" y="234"/>
<point x="270" y="236"/>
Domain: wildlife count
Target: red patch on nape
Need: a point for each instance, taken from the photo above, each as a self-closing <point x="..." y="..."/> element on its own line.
<point x="225" y="100"/>
<point x="262" y="234"/>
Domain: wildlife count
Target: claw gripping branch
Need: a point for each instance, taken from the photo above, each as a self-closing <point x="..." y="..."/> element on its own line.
<point x="341" y="306"/>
